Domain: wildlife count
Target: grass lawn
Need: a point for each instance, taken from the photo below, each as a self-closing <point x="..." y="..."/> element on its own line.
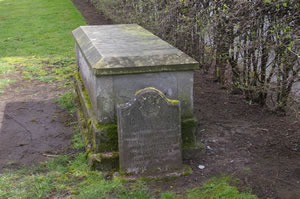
<point x="35" y="38"/>
<point x="36" y="41"/>
<point x="37" y="28"/>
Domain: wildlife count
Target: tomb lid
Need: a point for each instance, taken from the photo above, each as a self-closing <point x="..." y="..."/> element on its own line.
<point x="127" y="49"/>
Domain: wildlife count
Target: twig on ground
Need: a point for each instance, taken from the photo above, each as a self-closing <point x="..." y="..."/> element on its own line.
<point x="50" y="155"/>
<point x="289" y="183"/>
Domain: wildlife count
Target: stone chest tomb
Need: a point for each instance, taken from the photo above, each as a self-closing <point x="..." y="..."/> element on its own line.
<point x="116" y="61"/>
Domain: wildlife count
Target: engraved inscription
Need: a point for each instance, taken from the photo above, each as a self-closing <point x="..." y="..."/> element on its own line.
<point x="150" y="108"/>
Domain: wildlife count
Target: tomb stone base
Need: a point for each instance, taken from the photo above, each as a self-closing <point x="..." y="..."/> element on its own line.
<point x="101" y="141"/>
<point x="107" y="162"/>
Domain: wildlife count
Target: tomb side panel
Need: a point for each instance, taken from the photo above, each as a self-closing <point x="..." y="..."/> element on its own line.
<point x="185" y="85"/>
<point x="88" y="79"/>
<point x="106" y="112"/>
<point x="175" y="85"/>
<point x="126" y="86"/>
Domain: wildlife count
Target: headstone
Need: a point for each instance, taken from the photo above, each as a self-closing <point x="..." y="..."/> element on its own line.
<point x="149" y="130"/>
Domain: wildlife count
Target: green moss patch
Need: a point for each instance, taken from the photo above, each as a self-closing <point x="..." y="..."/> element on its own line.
<point x="188" y="129"/>
<point x="106" y="137"/>
<point x="105" y="161"/>
<point x="82" y="93"/>
<point x="86" y="132"/>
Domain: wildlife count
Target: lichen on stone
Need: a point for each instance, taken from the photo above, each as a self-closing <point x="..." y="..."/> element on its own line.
<point x="173" y="101"/>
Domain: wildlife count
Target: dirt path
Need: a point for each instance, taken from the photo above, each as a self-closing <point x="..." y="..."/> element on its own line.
<point x="89" y="12"/>
<point x="258" y="147"/>
<point x="32" y="126"/>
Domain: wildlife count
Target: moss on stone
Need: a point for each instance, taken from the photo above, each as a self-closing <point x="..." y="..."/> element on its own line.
<point x="87" y="137"/>
<point x="77" y="76"/>
<point x="108" y="155"/>
<point x="184" y="98"/>
<point x="93" y="132"/>
<point x="188" y="129"/>
<point x="86" y="97"/>
<point x="99" y="137"/>
<point x="160" y="92"/>
<point x="193" y="151"/>
<point x="104" y="161"/>
<point x="187" y="171"/>
<point x="107" y="136"/>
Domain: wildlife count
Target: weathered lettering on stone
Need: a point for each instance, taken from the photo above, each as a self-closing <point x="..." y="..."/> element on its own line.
<point x="149" y="130"/>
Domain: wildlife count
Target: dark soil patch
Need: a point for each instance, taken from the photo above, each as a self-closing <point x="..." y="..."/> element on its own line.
<point x="33" y="128"/>
<point x="259" y="147"/>
<point x="90" y="13"/>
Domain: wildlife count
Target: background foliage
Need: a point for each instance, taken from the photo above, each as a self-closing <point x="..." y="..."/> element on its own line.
<point x="252" y="46"/>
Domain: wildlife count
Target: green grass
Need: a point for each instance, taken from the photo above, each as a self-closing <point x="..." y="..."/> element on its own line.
<point x="37" y="28"/>
<point x="3" y="83"/>
<point x="71" y="177"/>
<point x="77" y="140"/>
<point x="35" y="35"/>
<point x="218" y="188"/>
<point x="66" y="101"/>
<point x="6" y="68"/>
<point x="66" y="177"/>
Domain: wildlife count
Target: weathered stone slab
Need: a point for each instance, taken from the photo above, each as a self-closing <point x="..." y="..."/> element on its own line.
<point x="149" y="130"/>
<point x="104" y="161"/>
<point x="127" y="49"/>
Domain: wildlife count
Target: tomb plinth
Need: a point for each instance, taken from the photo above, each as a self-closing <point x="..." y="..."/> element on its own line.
<point x="116" y="61"/>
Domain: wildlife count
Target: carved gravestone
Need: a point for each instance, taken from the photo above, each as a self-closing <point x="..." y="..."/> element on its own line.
<point x="149" y="130"/>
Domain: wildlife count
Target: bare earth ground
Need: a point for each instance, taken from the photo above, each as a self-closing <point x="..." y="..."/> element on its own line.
<point x="32" y="126"/>
<point x="257" y="146"/>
